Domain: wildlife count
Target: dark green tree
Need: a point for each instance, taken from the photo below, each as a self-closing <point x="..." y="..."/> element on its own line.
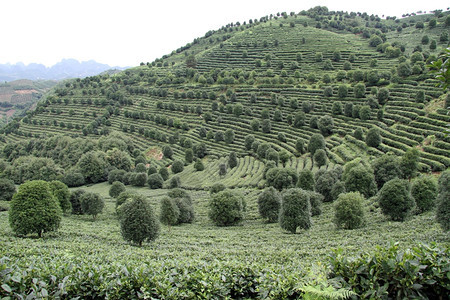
<point x="138" y="222"/>
<point x="164" y="173"/>
<point x="443" y="201"/>
<point x="409" y="163"/>
<point x="222" y="169"/>
<point x="349" y="211"/>
<point x="316" y="142"/>
<point x="198" y="165"/>
<point x="395" y="199"/>
<point x="385" y="168"/>
<point x="266" y="126"/>
<point x="306" y="180"/>
<point x="75" y="201"/>
<point x="116" y="188"/>
<point x="229" y="136"/>
<point x="373" y="137"/>
<point x="169" y="212"/>
<point x="167" y="151"/>
<point x="177" y="166"/>
<point x="7" y="189"/>
<point x="295" y="210"/>
<point x="269" y="204"/>
<point x="155" y="181"/>
<point x="360" y="179"/>
<point x="232" y="160"/>
<point x="92" y="204"/>
<point x="34" y="209"/>
<point x="299" y="119"/>
<point x="424" y="192"/>
<point x="226" y="208"/>
<point x="325" y="125"/>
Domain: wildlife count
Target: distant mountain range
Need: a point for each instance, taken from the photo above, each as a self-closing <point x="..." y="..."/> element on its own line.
<point x="67" y="68"/>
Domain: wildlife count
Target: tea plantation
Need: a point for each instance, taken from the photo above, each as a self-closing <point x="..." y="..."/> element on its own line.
<point x="340" y="114"/>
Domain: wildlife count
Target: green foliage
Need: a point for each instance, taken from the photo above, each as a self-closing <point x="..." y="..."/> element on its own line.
<point x="169" y="212"/>
<point x="306" y="180"/>
<point x="232" y="160"/>
<point x="198" y="165"/>
<point x="164" y="173"/>
<point x="226" y="208"/>
<point x="320" y="157"/>
<point x="409" y="163"/>
<point x="92" y="204"/>
<point x="342" y="91"/>
<point x="443" y="201"/>
<point x="248" y="141"/>
<point x="137" y="221"/>
<point x="373" y="137"/>
<point x="123" y="197"/>
<point x="34" y="209"/>
<point x="216" y="188"/>
<point x="116" y="188"/>
<point x="229" y="136"/>
<point x="189" y="156"/>
<point x="385" y="168"/>
<point x="282" y="178"/>
<point x="167" y="152"/>
<point x="269" y="204"/>
<point x="139" y="179"/>
<point x="316" y="142"/>
<point x="349" y="211"/>
<point x="295" y="210"/>
<point x="424" y="192"/>
<point x="325" y="125"/>
<point x="177" y="166"/>
<point x="27" y="168"/>
<point x="337" y="189"/>
<point x="174" y="182"/>
<point x="62" y="194"/>
<point x="316" y="201"/>
<point x="7" y="189"/>
<point x="360" y="90"/>
<point x="155" y="181"/>
<point x="75" y="201"/>
<point x="361" y="179"/>
<point x="324" y="185"/>
<point x="92" y="166"/>
<point x="395" y="199"/>
<point x="388" y="273"/>
<point x="119" y="159"/>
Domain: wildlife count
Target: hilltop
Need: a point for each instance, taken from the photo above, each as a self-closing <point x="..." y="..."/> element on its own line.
<point x="66" y="68"/>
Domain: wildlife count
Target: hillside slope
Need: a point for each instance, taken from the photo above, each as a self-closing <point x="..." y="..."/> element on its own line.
<point x="274" y="78"/>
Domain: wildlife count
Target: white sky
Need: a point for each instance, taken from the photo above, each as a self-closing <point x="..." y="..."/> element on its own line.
<point x="125" y="33"/>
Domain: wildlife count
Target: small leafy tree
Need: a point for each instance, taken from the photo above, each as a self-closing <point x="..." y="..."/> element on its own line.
<point x="409" y="163"/>
<point x="349" y="211"/>
<point x="295" y="210"/>
<point x="174" y="182"/>
<point x="155" y="181"/>
<point x="325" y="125"/>
<point x="306" y="180"/>
<point x="226" y="208"/>
<point x="395" y="199"/>
<point x="443" y="201"/>
<point x="164" y="173"/>
<point x="138" y="223"/>
<point x="177" y="166"/>
<point x="424" y="191"/>
<point x="385" y="168"/>
<point x="92" y="204"/>
<point x="316" y="142"/>
<point x="222" y="169"/>
<point x="62" y="194"/>
<point x="198" y="165"/>
<point x="169" y="212"/>
<point x="34" y="209"/>
<point x="7" y="189"/>
<point x="324" y="185"/>
<point x="320" y="157"/>
<point x="373" y="137"/>
<point x="116" y="188"/>
<point x="75" y="201"/>
<point x="269" y="204"/>
<point x="316" y="201"/>
<point x="232" y="160"/>
<point x="360" y="179"/>
<point x="229" y="136"/>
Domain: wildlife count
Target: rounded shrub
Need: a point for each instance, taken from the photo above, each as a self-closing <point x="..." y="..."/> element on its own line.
<point x="164" y="173"/>
<point x="7" y="189"/>
<point x="155" y="181"/>
<point x="169" y="212"/>
<point x="92" y="204"/>
<point x="316" y="201"/>
<point x="349" y="211"/>
<point x="139" y="179"/>
<point x="177" y="166"/>
<point x="73" y="178"/>
<point x="198" y="165"/>
<point x="216" y="188"/>
<point x="226" y="208"/>
<point x="138" y="223"/>
<point x="443" y="201"/>
<point x="395" y="199"/>
<point x="34" y="209"/>
<point x="140" y="168"/>
<point x="116" y="188"/>
<point x="295" y="210"/>
<point x="62" y="194"/>
<point x="75" y="201"/>
<point x="269" y="204"/>
<point x="360" y="179"/>
<point x="373" y="137"/>
<point x="306" y="180"/>
<point x="174" y="182"/>
<point x="123" y="197"/>
<point x="152" y="170"/>
<point x="424" y="192"/>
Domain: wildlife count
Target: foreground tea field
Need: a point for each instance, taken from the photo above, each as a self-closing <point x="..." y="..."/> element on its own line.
<point x="92" y="249"/>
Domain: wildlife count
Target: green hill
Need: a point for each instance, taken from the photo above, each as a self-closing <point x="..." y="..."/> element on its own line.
<point x="16" y="97"/>
<point x="330" y="92"/>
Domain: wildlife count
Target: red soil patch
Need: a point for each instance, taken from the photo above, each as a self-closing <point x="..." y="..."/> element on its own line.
<point x="154" y="153"/>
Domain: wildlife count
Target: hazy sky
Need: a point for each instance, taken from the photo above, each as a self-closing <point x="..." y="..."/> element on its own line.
<point x="125" y="33"/>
